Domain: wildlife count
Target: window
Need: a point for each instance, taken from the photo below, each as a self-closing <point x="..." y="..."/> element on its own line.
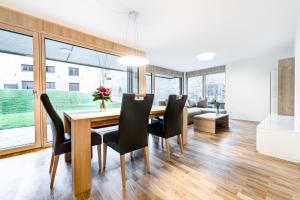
<point x="50" y="85"/>
<point x="27" y="84"/>
<point x="73" y="71"/>
<point x="117" y="81"/>
<point x="50" y="69"/>
<point x="195" y="88"/>
<point x="215" y="87"/>
<point x="11" y="86"/>
<point x="148" y="83"/>
<point x="73" y="86"/>
<point x="26" y="68"/>
<point x="164" y="86"/>
<point x="74" y="92"/>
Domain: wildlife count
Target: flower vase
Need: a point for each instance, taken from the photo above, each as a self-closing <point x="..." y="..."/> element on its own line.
<point x="218" y="109"/>
<point x="102" y="106"/>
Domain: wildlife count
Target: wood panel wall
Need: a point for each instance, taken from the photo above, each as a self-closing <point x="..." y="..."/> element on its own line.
<point x="14" y="18"/>
<point x="286" y="86"/>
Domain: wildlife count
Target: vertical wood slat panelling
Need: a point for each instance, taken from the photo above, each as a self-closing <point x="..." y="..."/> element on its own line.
<point x="286" y="86"/>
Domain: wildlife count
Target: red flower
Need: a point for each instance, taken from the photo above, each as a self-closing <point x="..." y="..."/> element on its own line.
<point x="102" y="89"/>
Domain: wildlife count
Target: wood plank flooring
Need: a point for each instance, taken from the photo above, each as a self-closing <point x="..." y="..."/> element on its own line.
<point x="221" y="166"/>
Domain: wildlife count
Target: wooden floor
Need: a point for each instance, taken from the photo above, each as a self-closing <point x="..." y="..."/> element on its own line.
<point x="222" y="166"/>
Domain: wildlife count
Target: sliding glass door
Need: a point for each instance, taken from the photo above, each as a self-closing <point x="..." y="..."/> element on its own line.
<point x="18" y="92"/>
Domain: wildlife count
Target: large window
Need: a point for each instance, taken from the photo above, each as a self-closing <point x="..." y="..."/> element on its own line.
<point x="195" y="89"/>
<point x="164" y="86"/>
<point x="79" y="71"/>
<point x="215" y="87"/>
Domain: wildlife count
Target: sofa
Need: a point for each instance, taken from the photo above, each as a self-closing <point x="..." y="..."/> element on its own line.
<point x="197" y="108"/>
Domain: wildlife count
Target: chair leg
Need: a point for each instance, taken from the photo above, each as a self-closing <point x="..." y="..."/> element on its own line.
<point x="104" y="155"/>
<point x="162" y="143"/>
<point x="99" y="157"/>
<point x="131" y="155"/>
<point x="146" y="157"/>
<point x="167" y="149"/>
<point x="180" y="143"/>
<point x="122" y="161"/>
<point x="55" y="162"/>
<point x="51" y="163"/>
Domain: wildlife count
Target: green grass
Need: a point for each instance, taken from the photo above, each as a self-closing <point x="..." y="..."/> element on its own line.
<point x="16" y="106"/>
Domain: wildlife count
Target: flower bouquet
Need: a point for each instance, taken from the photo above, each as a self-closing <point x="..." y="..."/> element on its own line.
<point x="103" y="94"/>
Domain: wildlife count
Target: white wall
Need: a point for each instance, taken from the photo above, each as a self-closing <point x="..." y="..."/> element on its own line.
<point x="248" y="85"/>
<point x="297" y="74"/>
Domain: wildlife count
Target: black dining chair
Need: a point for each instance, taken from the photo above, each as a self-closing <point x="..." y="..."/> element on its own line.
<point x="132" y="132"/>
<point x="170" y="125"/>
<point x="62" y="141"/>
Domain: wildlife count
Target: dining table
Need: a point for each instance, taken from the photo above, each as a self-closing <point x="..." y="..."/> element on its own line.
<point x="80" y="124"/>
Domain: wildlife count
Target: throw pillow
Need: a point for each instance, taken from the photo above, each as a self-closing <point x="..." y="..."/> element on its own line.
<point x="202" y="103"/>
<point x="192" y="103"/>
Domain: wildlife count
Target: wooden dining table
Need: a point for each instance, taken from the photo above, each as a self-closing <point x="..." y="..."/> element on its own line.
<point x="80" y="124"/>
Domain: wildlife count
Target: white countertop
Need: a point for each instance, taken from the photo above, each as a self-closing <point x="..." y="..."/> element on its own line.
<point x="280" y="122"/>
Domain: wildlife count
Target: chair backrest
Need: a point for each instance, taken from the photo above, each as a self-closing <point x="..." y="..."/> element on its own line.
<point x="55" y="122"/>
<point x="133" y="122"/>
<point x="173" y="113"/>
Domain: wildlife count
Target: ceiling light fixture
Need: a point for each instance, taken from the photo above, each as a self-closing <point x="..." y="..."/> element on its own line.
<point x="134" y="60"/>
<point x="206" y="56"/>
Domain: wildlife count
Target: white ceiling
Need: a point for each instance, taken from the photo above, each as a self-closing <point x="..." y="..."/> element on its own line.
<point x="173" y="32"/>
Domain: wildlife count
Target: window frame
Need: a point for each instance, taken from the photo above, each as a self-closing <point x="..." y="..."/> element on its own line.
<point x="50" y="83"/>
<point x="26" y="65"/>
<point x="72" y="84"/>
<point x="50" y="67"/>
<point x="76" y="69"/>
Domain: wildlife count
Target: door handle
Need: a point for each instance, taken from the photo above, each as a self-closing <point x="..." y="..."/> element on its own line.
<point x="34" y="92"/>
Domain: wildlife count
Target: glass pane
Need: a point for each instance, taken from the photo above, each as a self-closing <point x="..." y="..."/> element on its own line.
<point x="78" y="72"/>
<point x="164" y="86"/>
<point x="135" y="80"/>
<point x="195" y="88"/>
<point x="148" y="83"/>
<point x="215" y="87"/>
<point x="16" y="95"/>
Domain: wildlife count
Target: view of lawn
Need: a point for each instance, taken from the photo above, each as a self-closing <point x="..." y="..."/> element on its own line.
<point x="16" y="106"/>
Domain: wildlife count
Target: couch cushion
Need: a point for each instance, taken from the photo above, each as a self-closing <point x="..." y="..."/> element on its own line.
<point x="212" y="110"/>
<point x="192" y="103"/>
<point x="194" y="111"/>
<point x="202" y="103"/>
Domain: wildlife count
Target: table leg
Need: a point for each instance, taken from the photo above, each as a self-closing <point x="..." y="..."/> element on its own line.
<point x="81" y="155"/>
<point x="184" y="127"/>
<point x="67" y="126"/>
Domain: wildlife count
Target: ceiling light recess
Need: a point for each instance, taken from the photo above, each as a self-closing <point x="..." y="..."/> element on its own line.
<point x="206" y="56"/>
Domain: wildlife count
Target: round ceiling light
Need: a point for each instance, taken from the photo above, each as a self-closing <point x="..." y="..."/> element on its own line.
<point x="133" y="61"/>
<point x="206" y="56"/>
